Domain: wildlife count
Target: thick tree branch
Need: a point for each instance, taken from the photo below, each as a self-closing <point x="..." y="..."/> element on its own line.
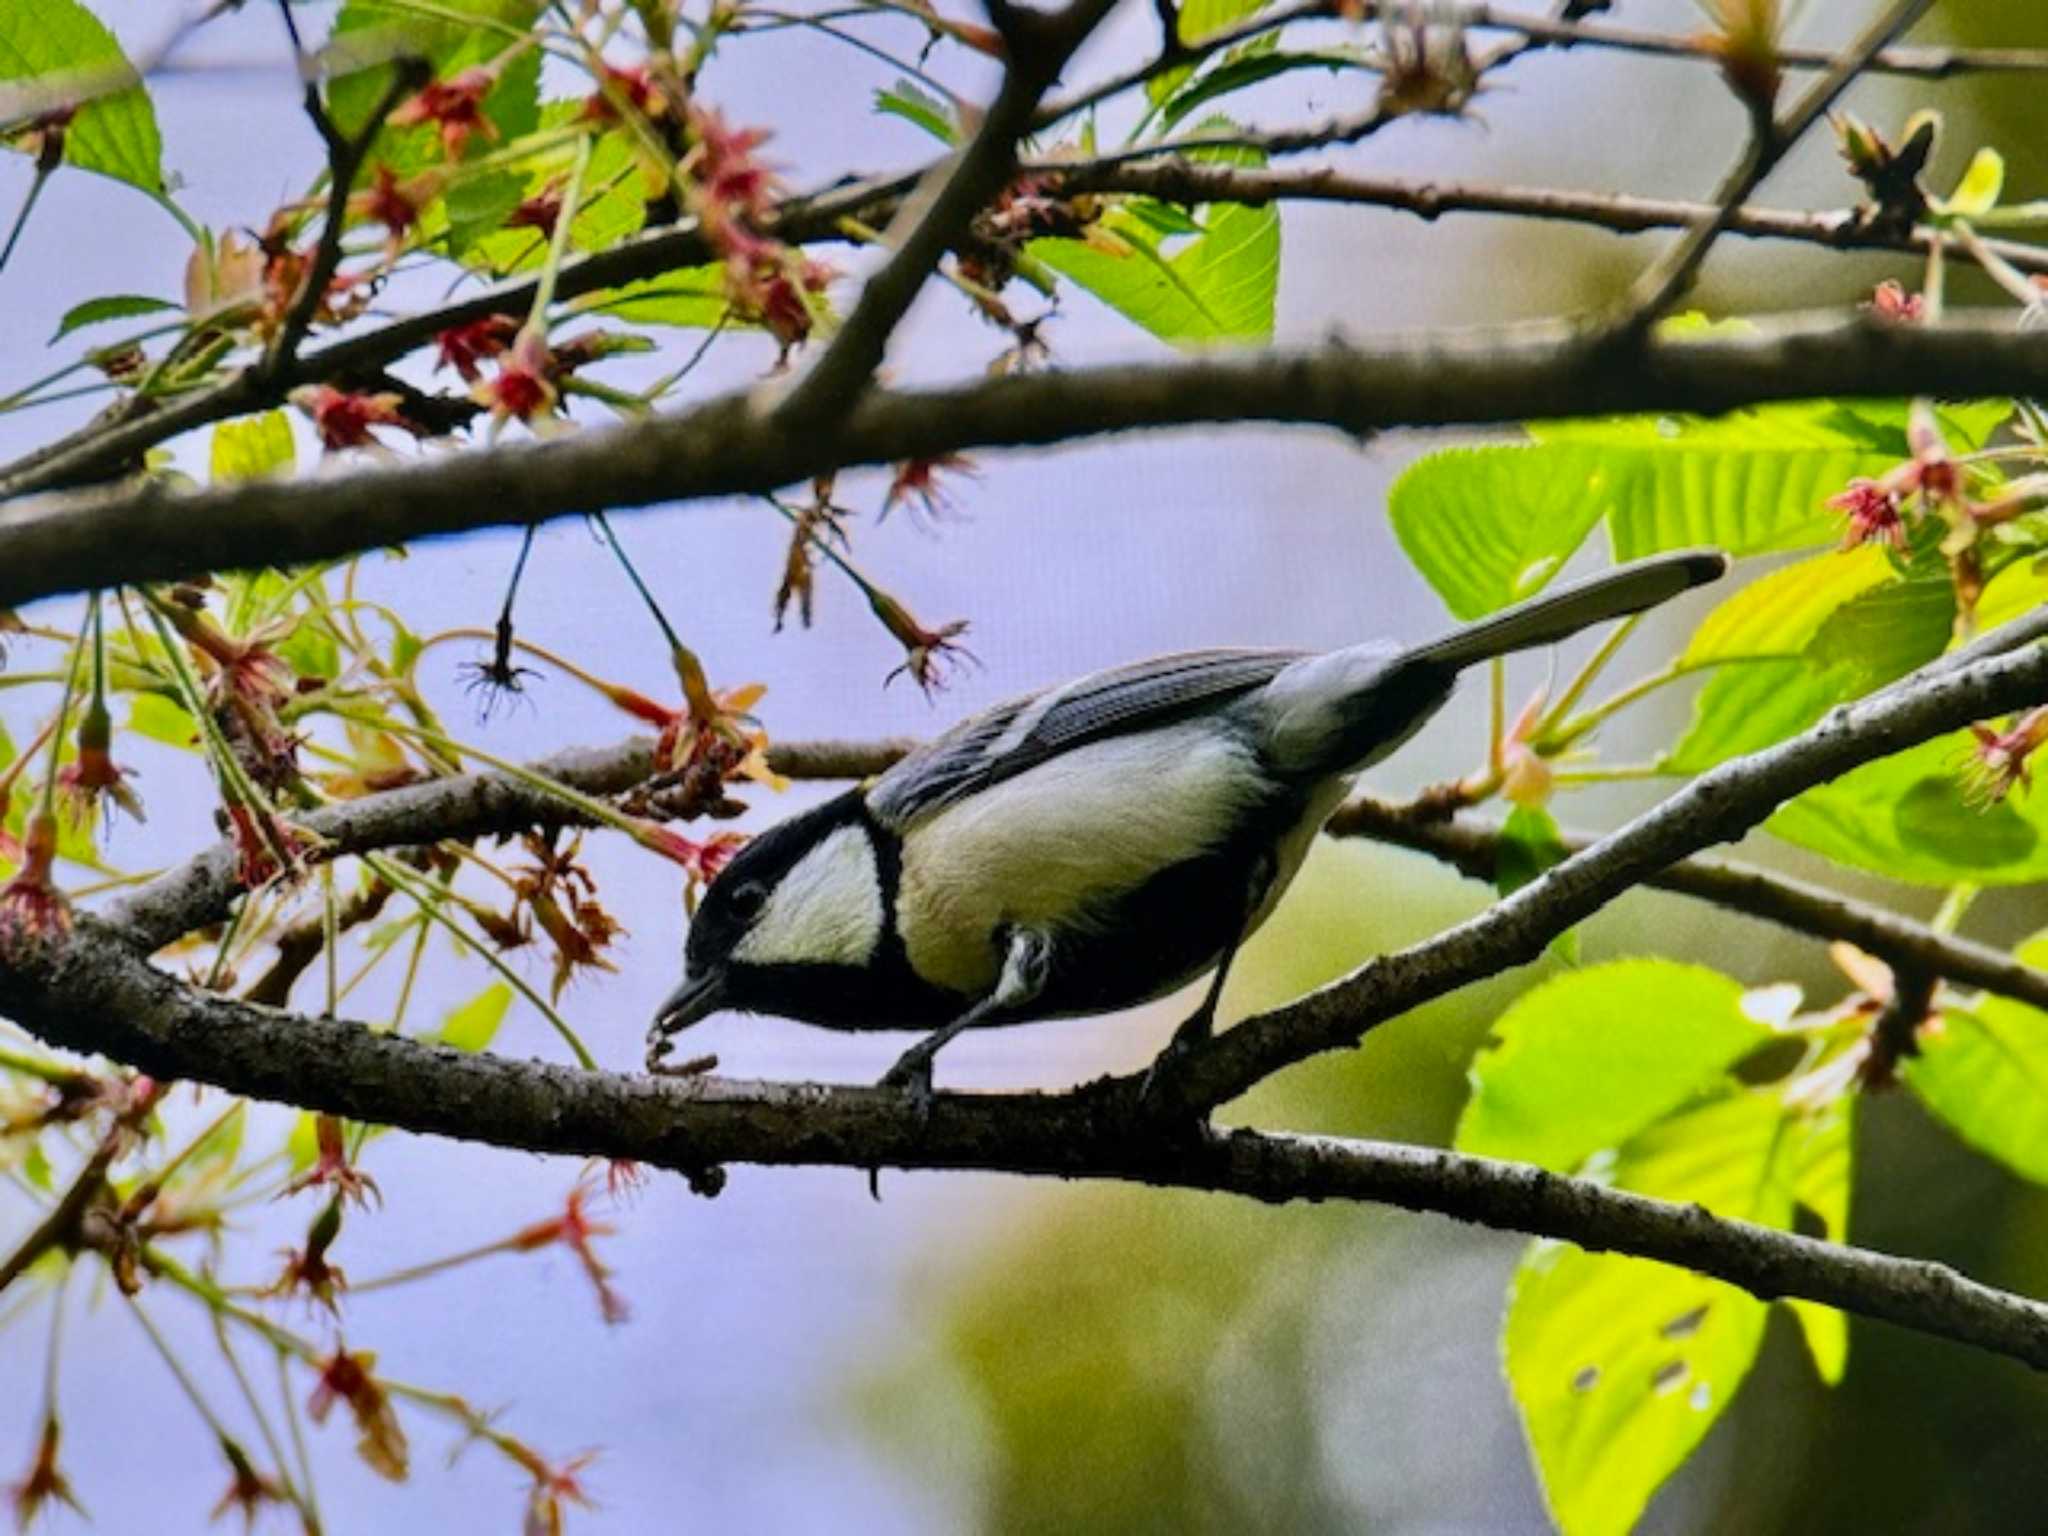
<point x="94" y="994"/>
<point x="1473" y="849"/>
<point x="732" y="445"/>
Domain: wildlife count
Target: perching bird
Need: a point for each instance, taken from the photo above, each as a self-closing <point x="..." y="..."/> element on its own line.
<point x="1088" y="847"/>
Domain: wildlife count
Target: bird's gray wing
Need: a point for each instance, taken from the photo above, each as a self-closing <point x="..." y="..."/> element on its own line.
<point x="1003" y="742"/>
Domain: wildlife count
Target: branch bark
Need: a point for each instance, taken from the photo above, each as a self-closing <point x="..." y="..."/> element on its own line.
<point x="94" y="993"/>
<point x="733" y="446"/>
<point x="1473" y="849"/>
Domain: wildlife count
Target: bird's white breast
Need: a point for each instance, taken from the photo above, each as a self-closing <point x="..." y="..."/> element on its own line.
<point x="1062" y="839"/>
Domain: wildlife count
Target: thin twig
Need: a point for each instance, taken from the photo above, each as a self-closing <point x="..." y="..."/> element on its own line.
<point x="1769" y="142"/>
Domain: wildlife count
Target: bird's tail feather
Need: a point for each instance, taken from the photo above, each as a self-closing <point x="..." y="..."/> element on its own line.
<point x="1544" y="620"/>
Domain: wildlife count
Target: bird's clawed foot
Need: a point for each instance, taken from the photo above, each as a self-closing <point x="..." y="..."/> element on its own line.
<point x="1158" y="1095"/>
<point x="912" y="1077"/>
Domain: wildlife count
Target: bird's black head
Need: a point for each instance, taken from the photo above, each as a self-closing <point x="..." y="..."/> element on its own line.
<point x="794" y="925"/>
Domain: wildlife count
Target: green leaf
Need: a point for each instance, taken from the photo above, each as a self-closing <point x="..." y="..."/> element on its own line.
<point x="253" y="447"/>
<point x="612" y="214"/>
<point x="1779" y="615"/>
<point x="473" y="1025"/>
<point x="311" y="650"/>
<point x="1205" y="18"/>
<point x="1489" y="526"/>
<point x="1983" y="1072"/>
<point x="1906" y="817"/>
<point x="114" y="132"/>
<point x="118" y="306"/>
<point x="450" y="43"/>
<point x="1978" y="192"/>
<point x="1250" y="66"/>
<point x="689" y="296"/>
<point x="914" y="104"/>
<point x="476" y="206"/>
<point x="162" y="719"/>
<point x="1620" y="1365"/>
<point x="1586" y="1060"/>
<point x="1220" y="286"/>
<point x="1750" y="705"/>
<point x="35" y="1167"/>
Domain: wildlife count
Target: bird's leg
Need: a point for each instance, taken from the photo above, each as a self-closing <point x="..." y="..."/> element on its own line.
<point x="1025" y="968"/>
<point x="1199" y="1027"/>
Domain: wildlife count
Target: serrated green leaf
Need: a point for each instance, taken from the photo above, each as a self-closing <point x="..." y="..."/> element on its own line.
<point x="1750" y="705"/>
<point x="117" y="306"/>
<point x="164" y="720"/>
<point x="911" y="102"/>
<point x="610" y="215"/>
<point x="1779" y="615"/>
<point x="1983" y="1072"/>
<point x="1251" y="67"/>
<point x="114" y="132"/>
<point x="1488" y="526"/>
<point x="474" y="1025"/>
<point x="465" y="33"/>
<point x="476" y="206"/>
<point x="1200" y="19"/>
<point x="1620" y="1365"/>
<point x="311" y="650"/>
<point x="253" y="447"/>
<point x="1978" y="192"/>
<point x="1586" y="1060"/>
<point x="1907" y="817"/>
<point x="1220" y="286"/>
<point x="692" y="297"/>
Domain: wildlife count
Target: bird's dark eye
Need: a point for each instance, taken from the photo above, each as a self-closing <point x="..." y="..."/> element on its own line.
<point x="748" y="898"/>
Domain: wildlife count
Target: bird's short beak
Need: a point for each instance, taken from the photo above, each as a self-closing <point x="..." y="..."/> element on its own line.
<point x="691" y="1003"/>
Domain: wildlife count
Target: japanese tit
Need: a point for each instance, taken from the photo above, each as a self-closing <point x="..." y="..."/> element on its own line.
<point x="1088" y="847"/>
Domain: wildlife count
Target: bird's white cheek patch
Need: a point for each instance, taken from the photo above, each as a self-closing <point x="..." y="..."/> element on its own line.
<point x="826" y="911"/>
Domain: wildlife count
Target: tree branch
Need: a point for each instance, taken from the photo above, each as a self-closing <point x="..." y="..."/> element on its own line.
<point x="1473" y="849"/>
<point x="732" y="446"/>
<point x="1188" y="181"/>
<point x="1770" y="141"/>
<point x="92" y="993"/>
<point x="1718" y="806"/>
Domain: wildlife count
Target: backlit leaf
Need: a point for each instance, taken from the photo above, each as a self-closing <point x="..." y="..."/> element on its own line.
<point x="114" y="131"/>
<point x="1586" y="1060"/>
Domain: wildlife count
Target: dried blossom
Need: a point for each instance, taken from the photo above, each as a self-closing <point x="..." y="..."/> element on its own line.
<point x="343" y="418"/>
<point x="93" y="777"/>
<point x="575" y="1230"/>
<point x="465" y="347"/>
<point x="1873" y="512"/>
<point x="455" y="106"/>
<point x="1999" y="760"/>
<point x="347" y="1378"/>
<point x="32" y="910"/>
<point x="45" y="1485"/>
<point x="917" y="484"/>
<point x="331" y="1168"/>
<point x="248" y="1490"/>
